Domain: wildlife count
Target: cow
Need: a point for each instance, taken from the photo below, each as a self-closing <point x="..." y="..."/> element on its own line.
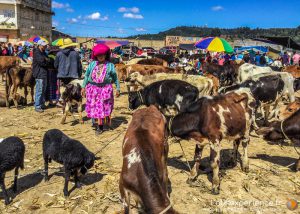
<point x="226" y="74"/>
<point x="223" y="117"/>
<point x="293" y="70"/>
<point x="266" y="90"/>
<point x="216" y="83"/>
<point x="276" y="66"/>
<point x="121" y="71"/>
<point x="18" y="77"/>
<point x="153" y="61"/>
<point x="287" y="129"/>
<point x="289" y="109"/>
<point x="7" y="62"/>
<point x="288" y="80"/>
<point x="20" y="100"/>
<point x="297" y="84"/>
<point x="144" y="174"/>
<point x="166" y="95"/>
<point x="205" y="85"/>
<point x="247" y="70"/>
<point x="169" y="58"/>
<point x="143" y="70"/>
<point x="72" y="96"/>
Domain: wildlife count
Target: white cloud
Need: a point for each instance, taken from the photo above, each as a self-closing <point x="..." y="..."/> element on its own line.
<point x="94" y="16"/>
<point x="67" y="6"/>
<point x="122" y="9"/>
<point x="140" y="29"/>
<point x="73" y="20"/>
<point x="132" y="16"/>
<point x="132" y="10"/>
<point x="57" y="5"/>
<point x="105" y="18"/>
<point x="55" y="23"/>
<point x="70" y="10"/>
<point x="121" y="30"/>
<point x="217" y="8"/>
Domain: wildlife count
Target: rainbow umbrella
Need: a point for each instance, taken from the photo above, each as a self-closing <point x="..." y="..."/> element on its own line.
<point x="35" y="39"/>
<point x="214" y="44"/>
<point x="112" y="44"/>
<point x="58" y="42"/>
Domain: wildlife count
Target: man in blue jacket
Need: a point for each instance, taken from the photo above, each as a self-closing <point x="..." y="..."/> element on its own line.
<point x="40" y="65"/>
<point x="68" y="63"/>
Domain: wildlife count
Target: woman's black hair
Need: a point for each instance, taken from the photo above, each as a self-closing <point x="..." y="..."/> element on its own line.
<point x="107" y="56"/>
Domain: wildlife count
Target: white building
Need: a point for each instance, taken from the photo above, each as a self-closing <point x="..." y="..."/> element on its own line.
<point x="21" y="19"/>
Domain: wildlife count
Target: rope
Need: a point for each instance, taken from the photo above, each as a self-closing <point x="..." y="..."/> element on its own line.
<point x="100" y="150"/>
<point x="184" y="154"/>
<point x="178" y="141"/>
<point x="166" y="209"/>
<point x="170" y="125"/>
<point x="281" y="126"/>
<point x="140" y="96"/>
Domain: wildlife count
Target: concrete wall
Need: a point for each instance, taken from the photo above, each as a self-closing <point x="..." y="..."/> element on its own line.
<point x="156" y="44"/>
<point x="39" y="20"/>
<point x="30" y="17"/>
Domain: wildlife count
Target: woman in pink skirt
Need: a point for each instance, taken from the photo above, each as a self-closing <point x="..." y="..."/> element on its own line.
<point x="97" y="85"/>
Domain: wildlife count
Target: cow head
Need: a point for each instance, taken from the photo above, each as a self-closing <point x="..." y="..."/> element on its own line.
<point x="72" y="91"/>
<point x="288" y="110"/>
<point x="272" y="132"/>
<point x="89" y="160"/>
<point x="135" y="99"/>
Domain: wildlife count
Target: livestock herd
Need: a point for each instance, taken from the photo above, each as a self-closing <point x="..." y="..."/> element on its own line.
<point x="226" y="103"/>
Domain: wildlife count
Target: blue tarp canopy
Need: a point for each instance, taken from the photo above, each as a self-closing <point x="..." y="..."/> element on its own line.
<point x="261" y="49"/>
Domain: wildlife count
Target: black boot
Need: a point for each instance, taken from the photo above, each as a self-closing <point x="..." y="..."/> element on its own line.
<point x="99" y="129"/>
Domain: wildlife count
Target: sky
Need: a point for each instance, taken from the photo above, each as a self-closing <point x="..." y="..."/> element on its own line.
<point x="131" y="17"/>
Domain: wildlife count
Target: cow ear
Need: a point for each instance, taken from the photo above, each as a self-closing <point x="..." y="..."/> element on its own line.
<point x="264" y="130"/>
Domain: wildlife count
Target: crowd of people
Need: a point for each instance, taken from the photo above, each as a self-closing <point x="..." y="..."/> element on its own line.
<point x="53" y="68"/>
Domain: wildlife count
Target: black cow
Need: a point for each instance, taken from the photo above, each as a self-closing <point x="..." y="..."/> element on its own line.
<point x="165" y="94"/>
<point x="266" y="90"/>
<point x="288" y="129"/>
<point x="297" y="84"/>
<point x="226" y="74"/>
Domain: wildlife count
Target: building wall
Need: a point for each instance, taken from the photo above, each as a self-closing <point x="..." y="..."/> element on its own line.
<point x="8" y="23"/>
<point x="35" y="18"/>
<point x="156" y="44"/>
<point x="29" y="18"/>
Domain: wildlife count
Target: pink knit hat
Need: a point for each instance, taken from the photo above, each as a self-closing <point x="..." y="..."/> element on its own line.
<point x="99" y="49"/>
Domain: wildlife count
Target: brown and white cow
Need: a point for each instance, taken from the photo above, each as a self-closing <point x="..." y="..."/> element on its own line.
<point x="144" y="175"/>
<point x="224" y="117"/>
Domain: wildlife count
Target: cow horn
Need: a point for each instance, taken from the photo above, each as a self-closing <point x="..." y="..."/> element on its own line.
<point x="264" y="130"/>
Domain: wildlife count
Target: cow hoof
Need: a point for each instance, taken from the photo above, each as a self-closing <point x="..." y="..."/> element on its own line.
<point x="215" y="191"/>
<point x="7" y="203"/>
<point x="78" y="185"/>
<point x="66" y="194"/>
<point x="245" y="169"/>
<point x="297" y="166"/>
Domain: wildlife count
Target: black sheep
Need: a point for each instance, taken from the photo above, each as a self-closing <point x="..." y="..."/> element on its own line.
<point x="12" y="151"/>
<point x="69" y="152"/>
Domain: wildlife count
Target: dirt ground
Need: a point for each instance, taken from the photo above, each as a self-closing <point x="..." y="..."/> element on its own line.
<point x="265" y="189"/>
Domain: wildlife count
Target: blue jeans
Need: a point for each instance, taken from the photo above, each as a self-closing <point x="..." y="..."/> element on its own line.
<point x="40" y="90"/>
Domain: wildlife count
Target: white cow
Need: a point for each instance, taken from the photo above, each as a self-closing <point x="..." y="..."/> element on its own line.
<point x="246" y="71"/>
